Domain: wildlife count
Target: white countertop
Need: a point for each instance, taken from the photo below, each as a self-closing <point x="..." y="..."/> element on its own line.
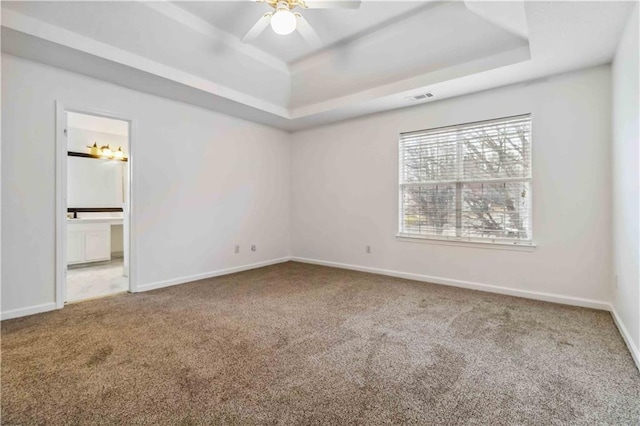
<point x="109" y="220"/>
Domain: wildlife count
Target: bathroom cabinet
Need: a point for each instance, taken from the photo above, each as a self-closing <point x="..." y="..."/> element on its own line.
<point x="88" y="242"/>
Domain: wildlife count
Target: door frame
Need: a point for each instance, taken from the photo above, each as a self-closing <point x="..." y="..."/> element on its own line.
<point x="61" y="195"/>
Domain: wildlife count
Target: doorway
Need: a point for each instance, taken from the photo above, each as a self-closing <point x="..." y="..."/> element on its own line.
<point x="94" y="198"/>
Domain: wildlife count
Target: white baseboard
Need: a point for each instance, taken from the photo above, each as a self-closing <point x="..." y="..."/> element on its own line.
<point x="190" y="278"/>
<point x="547" y="297"/>
<point x="635" y="354"/>
<point x="31" y="310"/>
<point x="23" y="312"/>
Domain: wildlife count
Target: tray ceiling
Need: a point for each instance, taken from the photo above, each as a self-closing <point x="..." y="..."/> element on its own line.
<point x="371" y="59"/>
<point x="332" y="25"/>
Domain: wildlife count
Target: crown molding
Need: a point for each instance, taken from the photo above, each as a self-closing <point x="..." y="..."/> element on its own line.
<point x="24" y="24"/>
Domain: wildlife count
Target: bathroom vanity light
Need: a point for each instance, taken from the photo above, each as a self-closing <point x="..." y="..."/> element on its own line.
<point x="93" y="149"/>
<point x="119" y="154"/>
<point x="105" y="151"/>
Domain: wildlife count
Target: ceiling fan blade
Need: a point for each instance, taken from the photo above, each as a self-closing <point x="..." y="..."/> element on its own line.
<point x="308" y="33"/>
<point x="258" y="28"/>
<point x="333" y="4"/>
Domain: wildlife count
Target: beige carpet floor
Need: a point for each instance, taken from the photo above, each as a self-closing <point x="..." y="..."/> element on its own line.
<point x="301" y="344"/>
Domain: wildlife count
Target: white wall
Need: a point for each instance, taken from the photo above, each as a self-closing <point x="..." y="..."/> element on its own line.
<point x="117" y="240"/>
<point x="204" y="182"/>
<point x="79" y="139"/>
<point x="626" y="181"/>
<point x="344" y="190"/>
<point x="207" y="181"/>
<point x="114" y="131"/>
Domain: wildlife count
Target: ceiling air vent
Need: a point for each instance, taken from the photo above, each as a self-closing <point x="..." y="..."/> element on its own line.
<point x="422" y="96"/>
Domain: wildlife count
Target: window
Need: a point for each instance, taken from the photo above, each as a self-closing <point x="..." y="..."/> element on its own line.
<point x="470" y="182"/>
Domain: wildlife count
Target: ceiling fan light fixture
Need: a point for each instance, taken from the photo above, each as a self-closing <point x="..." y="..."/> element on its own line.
<point x="283" y="22"/>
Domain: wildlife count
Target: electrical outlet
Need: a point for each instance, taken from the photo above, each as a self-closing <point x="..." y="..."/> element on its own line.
<point x="368" y="250"/>
<point x="236" y="249"/>
<point x="253" y="247"/>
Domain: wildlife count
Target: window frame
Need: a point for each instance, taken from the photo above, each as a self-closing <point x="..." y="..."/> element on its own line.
<point x="478" y="242"/>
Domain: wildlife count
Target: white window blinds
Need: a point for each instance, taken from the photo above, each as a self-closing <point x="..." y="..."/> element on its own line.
<point x="468" y="182"/>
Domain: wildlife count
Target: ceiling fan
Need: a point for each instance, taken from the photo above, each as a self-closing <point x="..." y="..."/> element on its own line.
<point x="283" y="21"/>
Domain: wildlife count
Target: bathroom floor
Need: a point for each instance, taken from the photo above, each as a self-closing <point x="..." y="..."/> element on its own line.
<point x="86" y="282"/>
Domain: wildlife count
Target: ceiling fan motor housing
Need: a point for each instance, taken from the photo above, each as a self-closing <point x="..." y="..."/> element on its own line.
<point x="283" y="5"/>
<point x="286" y="4"/>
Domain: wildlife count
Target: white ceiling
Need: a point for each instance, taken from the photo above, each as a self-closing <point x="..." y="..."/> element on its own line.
<point x="332" y="25"/>
<point x="372" y="59"/>
<point x="430" y="39"/>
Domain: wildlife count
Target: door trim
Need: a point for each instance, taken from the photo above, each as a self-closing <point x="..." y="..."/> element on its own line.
<point x="61" y="195"/>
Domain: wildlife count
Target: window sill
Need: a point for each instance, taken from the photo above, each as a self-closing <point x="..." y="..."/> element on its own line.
<point x="464" y="243"/>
